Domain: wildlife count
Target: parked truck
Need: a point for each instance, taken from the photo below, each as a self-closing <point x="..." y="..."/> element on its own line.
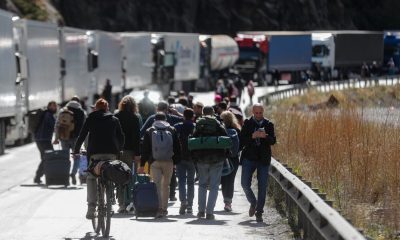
<point x="105" y="62"/>
<point x="8" y="78"/>
<point x="268" y="56"/>
<point x="337" y="54"/>
<point x="74" y="57"/>
<point x="137" y="62"/>
<point x="217" y="54"/>
<point x="176" y="58"/>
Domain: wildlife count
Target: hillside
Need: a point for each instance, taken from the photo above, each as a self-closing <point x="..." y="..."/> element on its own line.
<point x="213" y="16"/>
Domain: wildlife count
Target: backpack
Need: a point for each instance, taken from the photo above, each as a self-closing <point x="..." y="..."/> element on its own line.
<point x="116" y="171"/>
<point x="66" y="124"/>
<point x="162" y="144"/>
<point x="35" y="119"/>
<point x="235" y="142"/>
<point x="207" y="126"/>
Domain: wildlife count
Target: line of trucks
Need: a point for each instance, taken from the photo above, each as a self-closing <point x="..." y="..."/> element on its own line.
<point x="40" y="62"/>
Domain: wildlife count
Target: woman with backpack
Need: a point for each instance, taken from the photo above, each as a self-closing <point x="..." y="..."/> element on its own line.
<point x="228" y="182"/>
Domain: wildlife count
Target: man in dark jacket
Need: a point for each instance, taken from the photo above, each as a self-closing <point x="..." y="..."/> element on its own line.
<point x="106" y="140"/>
<point x="66" y="144"/>
<point x="161" y="149"/>
<point x="256" y="138"/>
<point x="172" y="119"/>
<point x="43" y="136"/>
<point x="209" y="162"/>
<point x="185" y="169"/>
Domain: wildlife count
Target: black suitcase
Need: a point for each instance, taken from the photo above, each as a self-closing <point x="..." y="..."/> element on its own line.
<point x="56" y="165"/>
<point x="145" y="199"/>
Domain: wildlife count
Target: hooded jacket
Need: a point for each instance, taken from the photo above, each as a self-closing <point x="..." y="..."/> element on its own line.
<point x="105" y="134"/>
<point x="257" y="149"/>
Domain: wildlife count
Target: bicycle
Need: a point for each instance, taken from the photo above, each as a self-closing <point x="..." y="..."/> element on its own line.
<point x="105" y="200"/>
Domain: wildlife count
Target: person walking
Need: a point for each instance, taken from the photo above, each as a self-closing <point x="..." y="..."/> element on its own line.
<point x="146" y="106"/>
<point x="256" y="138"/>
<point x="130" y="125"/>
<point x="107" y="91"/>
<point x="67" y="131"/>
<point x="186" y="168"/>
<point x="43" y="135"/>
<point x="161" y="149"/>
<point x="172" y="118"/>
<point x="106" y="140"/>
<point x="209" y="163"/>
<point x="228" y="182"/>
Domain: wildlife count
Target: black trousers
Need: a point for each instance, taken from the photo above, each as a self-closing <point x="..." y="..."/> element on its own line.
<point x="228" y="182"/>
<point x="173" y="184"/>
<point x="42" y="146"/>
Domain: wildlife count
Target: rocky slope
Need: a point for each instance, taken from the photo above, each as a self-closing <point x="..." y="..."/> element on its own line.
<point x="225" y="16"/>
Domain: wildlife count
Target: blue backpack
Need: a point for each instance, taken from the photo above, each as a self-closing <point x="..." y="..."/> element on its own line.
<point x="234" y="151"/>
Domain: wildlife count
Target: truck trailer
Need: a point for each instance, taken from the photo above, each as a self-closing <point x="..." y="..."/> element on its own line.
<point x="137" y="60"/>
<point x="263" y="54"/>
<point x="337" y="54"/>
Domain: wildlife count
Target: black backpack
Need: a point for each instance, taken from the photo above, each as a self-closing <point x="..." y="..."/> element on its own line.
<point x="35" y="119"/>
<point x="116" y="171"/>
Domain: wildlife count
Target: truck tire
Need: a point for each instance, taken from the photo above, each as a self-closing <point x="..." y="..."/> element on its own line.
<point x="2" y="136"/>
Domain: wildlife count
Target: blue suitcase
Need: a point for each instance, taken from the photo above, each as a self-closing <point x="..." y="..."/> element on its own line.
<point x="145" y="197"/>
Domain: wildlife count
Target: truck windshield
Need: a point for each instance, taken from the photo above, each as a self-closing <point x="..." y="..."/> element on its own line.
<point x="320" y="51"/>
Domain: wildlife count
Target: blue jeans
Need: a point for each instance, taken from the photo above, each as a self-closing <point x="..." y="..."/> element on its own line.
<point x="248" y="169"/>
<point x="209" y="176"/>
<point x="70" y="144"/>
<point x="185" y="171"/>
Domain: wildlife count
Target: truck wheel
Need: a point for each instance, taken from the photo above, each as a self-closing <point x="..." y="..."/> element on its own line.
<point x="2" y="136"/>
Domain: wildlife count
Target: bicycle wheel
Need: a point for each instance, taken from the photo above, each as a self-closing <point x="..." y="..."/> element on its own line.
<point x="108" y="208"/>
<point x="101" y="211"/>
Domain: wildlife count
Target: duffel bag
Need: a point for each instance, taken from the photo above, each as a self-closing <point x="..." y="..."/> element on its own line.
<point x="116" y="171"/>
<point x="219" y="142"/>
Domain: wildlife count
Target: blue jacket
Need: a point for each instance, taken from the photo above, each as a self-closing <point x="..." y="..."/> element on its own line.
<point x="46" y="127"/>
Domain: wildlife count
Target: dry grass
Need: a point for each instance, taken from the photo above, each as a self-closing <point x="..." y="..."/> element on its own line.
<point x="356" y="162"/>
<point x="382" y="96"/>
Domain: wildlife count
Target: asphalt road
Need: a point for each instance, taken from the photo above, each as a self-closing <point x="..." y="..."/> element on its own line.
<point x="30" y="212"/>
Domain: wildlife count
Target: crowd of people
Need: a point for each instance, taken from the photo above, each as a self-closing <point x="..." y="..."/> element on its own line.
<point x="131" y="135"/>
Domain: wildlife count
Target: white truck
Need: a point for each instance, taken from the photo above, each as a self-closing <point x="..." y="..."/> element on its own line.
<point x="177" y="58"/>
<point x="105" y="62"/>
<point x="137" y="60"/>
<point x="8" y="78"/>
<point x="74" y="57"/>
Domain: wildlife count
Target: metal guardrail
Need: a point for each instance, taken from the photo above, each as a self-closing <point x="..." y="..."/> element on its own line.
<point x="301" y="89"/>
<point x="314" y="217"/>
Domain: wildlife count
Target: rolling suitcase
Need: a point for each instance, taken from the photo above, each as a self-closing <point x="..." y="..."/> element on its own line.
<point x="145" y="197"/>
<point x="56" y="165"/>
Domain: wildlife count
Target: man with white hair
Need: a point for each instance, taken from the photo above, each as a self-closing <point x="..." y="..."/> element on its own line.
<point x="256" y="138"/>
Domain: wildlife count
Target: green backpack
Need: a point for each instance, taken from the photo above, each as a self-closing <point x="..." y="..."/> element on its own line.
<point x="218" y="142"/>
<point x="207" y="126"/>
